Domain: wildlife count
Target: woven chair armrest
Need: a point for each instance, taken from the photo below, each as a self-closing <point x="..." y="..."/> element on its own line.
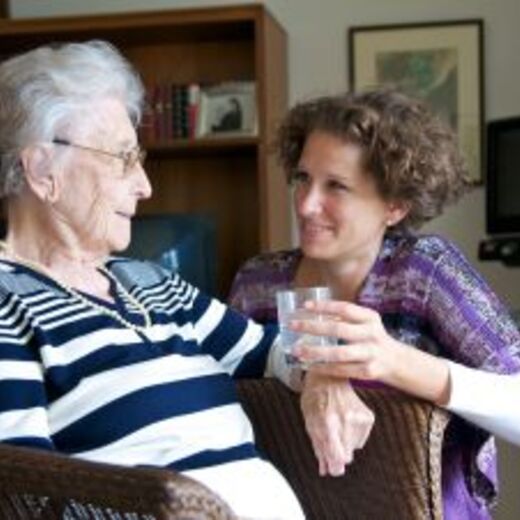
<point x="396" y="475"/>
<point x="45" y="485"/>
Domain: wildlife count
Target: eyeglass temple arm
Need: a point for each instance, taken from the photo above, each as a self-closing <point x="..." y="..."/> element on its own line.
<point x="58" y="140"/>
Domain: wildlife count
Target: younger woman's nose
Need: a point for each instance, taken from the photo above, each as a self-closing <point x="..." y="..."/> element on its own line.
<point x="309" y="201"/>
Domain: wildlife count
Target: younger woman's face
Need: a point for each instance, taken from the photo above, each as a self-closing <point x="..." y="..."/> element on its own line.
<point x="341" y="215"/>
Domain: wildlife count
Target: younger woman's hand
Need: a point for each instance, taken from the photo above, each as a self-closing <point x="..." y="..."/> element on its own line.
<point x="369" y="352"/>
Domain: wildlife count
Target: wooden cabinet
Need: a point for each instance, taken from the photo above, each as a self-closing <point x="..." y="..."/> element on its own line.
<point x="4" y="11"/>
<point x="235" y="180"/>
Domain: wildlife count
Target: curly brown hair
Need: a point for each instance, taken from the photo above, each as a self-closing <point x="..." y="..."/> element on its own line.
<point x="412" y="154"/>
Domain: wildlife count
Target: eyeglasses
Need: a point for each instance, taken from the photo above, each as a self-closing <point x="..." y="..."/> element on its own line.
<point x="130" y="158"/>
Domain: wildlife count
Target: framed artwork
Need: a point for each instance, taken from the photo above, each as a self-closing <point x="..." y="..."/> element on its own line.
<point x="440" y="62"/>
<point x="228" y="109"/>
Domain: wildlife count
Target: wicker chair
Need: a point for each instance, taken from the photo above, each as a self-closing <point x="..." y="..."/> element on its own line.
<point x="397" y="475"/>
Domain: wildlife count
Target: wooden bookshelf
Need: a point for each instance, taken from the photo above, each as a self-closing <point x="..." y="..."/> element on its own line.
<point x="236" y="180"/>
<point x="4" y="9"/>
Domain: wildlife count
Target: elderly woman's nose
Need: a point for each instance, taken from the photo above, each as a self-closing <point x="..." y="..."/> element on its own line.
<point x="142" y="183"/>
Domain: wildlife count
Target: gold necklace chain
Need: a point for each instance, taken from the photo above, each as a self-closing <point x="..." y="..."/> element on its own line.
<point x="78" y="295"/>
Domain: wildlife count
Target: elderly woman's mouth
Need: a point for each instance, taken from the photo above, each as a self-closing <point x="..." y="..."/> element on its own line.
<point x="125" y="215"/>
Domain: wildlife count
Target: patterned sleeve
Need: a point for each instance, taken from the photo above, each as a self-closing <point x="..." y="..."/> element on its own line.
<point x="475" y="330"/>
<point x="23" y="399"/>
<point x="469" y="319"/>
<point x="253" y="292"/>
<point x="250" y="291"/>
<point x="237" y="297"/>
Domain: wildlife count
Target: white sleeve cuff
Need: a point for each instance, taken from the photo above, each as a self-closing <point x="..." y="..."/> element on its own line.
<point x="277" y="366"/>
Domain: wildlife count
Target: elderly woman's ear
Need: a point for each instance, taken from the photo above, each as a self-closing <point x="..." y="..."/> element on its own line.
<point x="39" y="171"/>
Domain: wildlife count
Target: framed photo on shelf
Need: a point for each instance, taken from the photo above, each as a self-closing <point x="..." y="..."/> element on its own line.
<point x="228" y="109"/>
<point x="4" y="9"/>
<point x="440" y="62"/>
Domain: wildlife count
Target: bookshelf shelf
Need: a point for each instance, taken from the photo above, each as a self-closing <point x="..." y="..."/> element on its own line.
<point x="213" y="145"/>
<point x="235" y="179"/>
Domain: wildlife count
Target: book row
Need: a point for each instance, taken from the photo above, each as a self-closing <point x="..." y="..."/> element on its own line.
<point x="189" y="111"/>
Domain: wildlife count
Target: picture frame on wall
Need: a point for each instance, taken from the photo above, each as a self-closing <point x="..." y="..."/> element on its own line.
<point x="228" y="109"/>
<point x="440" y="62"/>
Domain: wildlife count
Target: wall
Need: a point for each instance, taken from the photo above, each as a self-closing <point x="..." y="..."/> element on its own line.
<point x="318" y="29"/>
<point x="318" y="64"/>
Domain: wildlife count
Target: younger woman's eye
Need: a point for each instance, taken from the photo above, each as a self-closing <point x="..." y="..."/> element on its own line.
<point x="298" y="177"/>
<point x="337" y="186"/>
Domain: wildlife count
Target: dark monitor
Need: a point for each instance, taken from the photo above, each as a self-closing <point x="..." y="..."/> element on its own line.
<point x="184" y="243"/>
<point x="503" y="176"/>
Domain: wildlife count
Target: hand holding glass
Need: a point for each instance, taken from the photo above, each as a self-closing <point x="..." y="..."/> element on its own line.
<point x="290" y="306"/>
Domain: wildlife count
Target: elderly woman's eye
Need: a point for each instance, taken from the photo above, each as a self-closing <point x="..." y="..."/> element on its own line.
<point x="128" y="158"/>
<point x="133" y="156"/>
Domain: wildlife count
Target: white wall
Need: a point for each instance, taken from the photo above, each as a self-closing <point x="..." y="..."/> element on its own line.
<point x="318" y="64"/>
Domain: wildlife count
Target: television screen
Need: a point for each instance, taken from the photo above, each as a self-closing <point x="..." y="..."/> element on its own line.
<point x="503" y="176"/>
<point x="183" y="242"/>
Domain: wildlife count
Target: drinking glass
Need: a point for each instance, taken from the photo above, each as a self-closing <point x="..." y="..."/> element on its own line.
<point x="290" y="306"/>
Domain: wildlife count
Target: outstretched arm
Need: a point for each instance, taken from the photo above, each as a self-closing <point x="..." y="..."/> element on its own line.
<point x="370" y="353"/>
<point x="23" y="399"/>
<point x="486" y="399"/>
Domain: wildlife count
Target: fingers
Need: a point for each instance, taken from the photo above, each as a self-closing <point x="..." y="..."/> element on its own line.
<point x="333" y="453"/>
<point x="342" y="371"/>
<point x="323" y="469"/>
<point x="321" y="448"/>
<point x="322" y="465"/>
<point x="347" y="331"/>
<point x="325" y="432"/>
<point x="350" y="330"/>
<point x="364" y="435"/>
<point x="353" y="353"/>
<point x="334" y="441"/>
<point x="337" y="421"/>
<point x="362" y="425"/>
<point x="341" y="309"/>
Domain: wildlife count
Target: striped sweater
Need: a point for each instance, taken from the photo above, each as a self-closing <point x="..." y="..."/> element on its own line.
<point x="73" y="379"/>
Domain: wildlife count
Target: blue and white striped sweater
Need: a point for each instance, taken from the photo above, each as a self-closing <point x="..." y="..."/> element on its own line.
<point x="74" y="380"/>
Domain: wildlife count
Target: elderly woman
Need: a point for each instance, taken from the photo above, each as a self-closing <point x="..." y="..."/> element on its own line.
<point x="366" y="170"/>
<point x="102" y="358"/>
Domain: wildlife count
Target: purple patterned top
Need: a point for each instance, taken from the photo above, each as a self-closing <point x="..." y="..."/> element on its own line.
<point x="428" y="296"/>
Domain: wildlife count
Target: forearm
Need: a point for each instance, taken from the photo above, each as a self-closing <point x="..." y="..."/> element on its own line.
<point x="419" y="373"/>
<point x="277" y="366"/>
<point x="23" y="402"/>
<point x="486" y="399"/>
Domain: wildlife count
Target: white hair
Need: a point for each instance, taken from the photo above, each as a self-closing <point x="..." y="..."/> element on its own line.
<point x="44" y="90"/>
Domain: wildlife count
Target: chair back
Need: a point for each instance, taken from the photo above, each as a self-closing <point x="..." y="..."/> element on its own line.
<point x="397" y="475"/>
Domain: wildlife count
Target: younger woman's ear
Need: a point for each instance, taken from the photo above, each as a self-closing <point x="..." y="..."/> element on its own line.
<point x="397" y="211"/>
<point x="38" y="170"/>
